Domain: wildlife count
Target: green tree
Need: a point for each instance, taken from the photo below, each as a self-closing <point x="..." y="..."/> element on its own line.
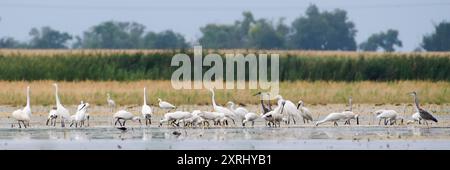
<point x="228" y="36"/>
<point x="164" y="40"/>
<point x="263" y="35"/>
<point x="220" y="36"/>
<point x="439" y="40"/>
<point x="384" y="40"/>
<point x="47" y="37"/>
<point x="113" y="35"/>
<point x="9" y="42"/>
<point x="323" y="31"/>
<point x="243" y="27"/>
<point x="282" y="29"/>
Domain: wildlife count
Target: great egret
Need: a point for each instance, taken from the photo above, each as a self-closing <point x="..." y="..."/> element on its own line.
<point x="24" y="115"/>
<point x="146" y="110"/>
<point x="61" y="111"/>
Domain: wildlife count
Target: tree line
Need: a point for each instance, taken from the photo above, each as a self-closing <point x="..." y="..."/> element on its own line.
<point x="315" y="30"/>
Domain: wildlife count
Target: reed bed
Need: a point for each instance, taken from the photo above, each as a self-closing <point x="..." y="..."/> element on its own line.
<point x="133" y="65"/>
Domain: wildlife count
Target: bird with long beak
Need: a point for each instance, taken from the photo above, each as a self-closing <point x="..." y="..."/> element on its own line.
<point x="425" y="115"/>
<point x="275" y="116"/>
<point x="125" y="115"/>
<point x="265" y="108"/>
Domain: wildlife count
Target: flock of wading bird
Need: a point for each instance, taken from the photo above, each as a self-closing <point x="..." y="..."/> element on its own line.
<point x="285" y="111"/>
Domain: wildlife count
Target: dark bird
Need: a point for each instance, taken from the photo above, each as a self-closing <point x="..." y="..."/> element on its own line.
<point x="425" y="115"/>
<point x="266" y="108"/>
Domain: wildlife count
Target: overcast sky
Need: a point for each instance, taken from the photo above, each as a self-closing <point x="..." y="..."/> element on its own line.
<point x="413" y="18"/>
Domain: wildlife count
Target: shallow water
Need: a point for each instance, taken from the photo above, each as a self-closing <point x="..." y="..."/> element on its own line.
<point x="101" y="134"/>
<point x="361" y="137"/>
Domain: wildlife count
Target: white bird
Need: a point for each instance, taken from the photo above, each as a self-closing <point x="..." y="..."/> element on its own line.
<point x="304" y="112"/>
<point x="146" y="110"/>
<point x="401" y="118"/>
<point x="216" y="117"/>
<point x="125" y="115"/>
<point x="24" y="115"/>
<point x="289" y="108"/>
<point x="110" y="102"/>
<point x="61" y="112"/>
<point x="80" y="116"/>
<point x="333" y="117"/>
<point x="386" y="115"/>
<point x="172" y="117"/>
<point x="425" y="115"/>
<point x="415" y="118"/>
<point x="275" y="116"/>
<point x="378" y="112"/>
<point x="349" y="114"/>
<point x="165" y="105"/>
<point x="52" y="116"/>
<point x="240" y="112"/>
<point x="227" y="112"/>
<point x="250" y="117"/>
<point x="194" y="120"/>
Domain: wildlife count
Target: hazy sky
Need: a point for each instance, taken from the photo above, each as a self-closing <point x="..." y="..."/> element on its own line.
<point x="413" y="18"/>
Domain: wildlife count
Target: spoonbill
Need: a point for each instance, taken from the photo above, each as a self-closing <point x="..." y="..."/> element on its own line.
<point x="125" y="115"/>
<point x="332" y="117"/>
<point x="304" y="112"/>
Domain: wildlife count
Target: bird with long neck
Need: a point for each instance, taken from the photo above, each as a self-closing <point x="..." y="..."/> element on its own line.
<point x="110" y="102"/>
<point x="416" y="102"/>
<point x="227" y="113"/>
<point x="425" y="115"/>
<point x="264" y="107"/>
<point x="349" y="112"/>
<point x="146" y="109"/>
<point x="24" y="115"/>
<point x="350" y="104"/>
<point x="27" y="108"/>
<point x="60" y="110"/>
